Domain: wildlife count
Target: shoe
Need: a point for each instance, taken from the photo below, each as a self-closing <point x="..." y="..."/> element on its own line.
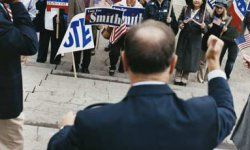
<point x="111" y="72"/>
<point x="40" y="61"/>
<point x="106" y="49"/>
<point x="177" y="79"/>
<point x="85" y="70"/>
<point x="184" y="79"/>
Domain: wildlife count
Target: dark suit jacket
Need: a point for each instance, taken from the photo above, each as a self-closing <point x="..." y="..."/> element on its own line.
<point x="152" y="117"/>
<point x="16" y="38"/>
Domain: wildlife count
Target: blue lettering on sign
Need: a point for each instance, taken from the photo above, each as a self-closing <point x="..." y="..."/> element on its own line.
<point x="86" y="32"/>
<point x="74" y="37"/>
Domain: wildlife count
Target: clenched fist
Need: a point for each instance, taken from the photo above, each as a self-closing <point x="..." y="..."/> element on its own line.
<point x="67" y="119"/>
<point x="215" y="46"/>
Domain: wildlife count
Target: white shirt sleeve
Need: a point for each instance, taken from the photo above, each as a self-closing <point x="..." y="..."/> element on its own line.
<point x="216" y="73"/>
<point x="32" y="9"/>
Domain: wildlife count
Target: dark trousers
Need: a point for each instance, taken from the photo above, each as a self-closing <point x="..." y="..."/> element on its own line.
<point x="232" y="55"/>
<point x="45" y="36"/>
<point x="85" y="60"/>
<point x="114" y="54"/>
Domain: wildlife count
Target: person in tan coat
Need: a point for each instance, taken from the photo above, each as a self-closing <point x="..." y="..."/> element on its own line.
<point x="77" y="7"/>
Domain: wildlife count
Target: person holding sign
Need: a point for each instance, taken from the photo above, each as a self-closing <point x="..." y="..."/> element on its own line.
<point x="230" y="46"/>
<point x="48" y="32"/>
<point x="77" y="7"/>
<point x="117" y="46"/>
<point x="161" y="10"/>
<point x="219" y="20"/>
<point x="192" y="22"/>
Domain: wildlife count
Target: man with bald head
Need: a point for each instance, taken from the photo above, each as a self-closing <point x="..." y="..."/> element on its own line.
<point x="152" y="116"/>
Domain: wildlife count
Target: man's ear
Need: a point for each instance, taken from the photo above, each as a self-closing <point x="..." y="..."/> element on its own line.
<point x="173" y="64"/>
<point x="124" y="61"/>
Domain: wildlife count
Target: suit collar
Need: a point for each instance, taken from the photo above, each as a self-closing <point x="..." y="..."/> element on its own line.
<point x="149" y="90"/>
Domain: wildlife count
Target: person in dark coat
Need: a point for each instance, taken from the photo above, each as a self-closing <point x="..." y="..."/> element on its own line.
<point x="192" y="24"/>
<point x="158" y="10"/>
<point x="231" y="47"/>
<point x="17" y="37"/>
<point x="152" y="116"/>
<point x="117" y="46"/>
<point x="217" y="26"/>
<point x="47" y="35"/>
<point x="82" y="58"/>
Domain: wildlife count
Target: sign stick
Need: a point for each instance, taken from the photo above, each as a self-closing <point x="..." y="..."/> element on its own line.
<point x="97" y="40"/>
<point x="204" y="15"/>
<point x="57" y="24"/>
<point x="170" y="8"/>
<point x="74" y="65"/>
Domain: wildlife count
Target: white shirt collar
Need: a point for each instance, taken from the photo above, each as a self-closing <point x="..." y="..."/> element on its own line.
<point x="148" y="83"/>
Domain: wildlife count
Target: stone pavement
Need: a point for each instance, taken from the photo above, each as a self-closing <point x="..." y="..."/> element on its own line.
<point x="50" y="91"/>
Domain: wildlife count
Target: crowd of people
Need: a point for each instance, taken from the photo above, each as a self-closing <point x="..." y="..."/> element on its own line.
<point x="151" y="116"/>
<point x="194" y="23"/>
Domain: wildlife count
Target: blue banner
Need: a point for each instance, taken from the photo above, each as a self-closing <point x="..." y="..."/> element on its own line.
<point x="103" y="16"/>
<point x="131" y="16"/>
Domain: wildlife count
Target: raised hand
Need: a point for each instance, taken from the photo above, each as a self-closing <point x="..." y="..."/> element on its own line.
<point x="215" y="46"/>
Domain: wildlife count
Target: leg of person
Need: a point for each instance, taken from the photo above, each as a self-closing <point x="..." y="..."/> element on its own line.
<point x="11" y="134"/>
<point x="77" y="57"/>
<point x="94" y="31"/>
<point x="86" y="60"/>
<point x="177" y="78"/>
<point x="107" y="48"/>
<point x="55" y="44"/>
<point x="202" y="68"/>
<point x="121" y="69"/>
<point x="184" y="78"/>
<point x="44" y="39"/>
<point x="232" y="55"/>
<point x="114" y="57"/>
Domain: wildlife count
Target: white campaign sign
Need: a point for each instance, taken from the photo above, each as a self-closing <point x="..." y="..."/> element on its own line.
<point x="78" y="36"/>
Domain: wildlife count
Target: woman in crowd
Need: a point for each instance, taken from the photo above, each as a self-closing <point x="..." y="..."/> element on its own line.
<point x="218" y="25"/>
<point x="192" y="23"/>
<point x="230" y="46"/>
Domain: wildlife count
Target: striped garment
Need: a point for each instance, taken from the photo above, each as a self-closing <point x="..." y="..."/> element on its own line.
<point x="117" y="33"/>
<point x="243" y="41"/>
